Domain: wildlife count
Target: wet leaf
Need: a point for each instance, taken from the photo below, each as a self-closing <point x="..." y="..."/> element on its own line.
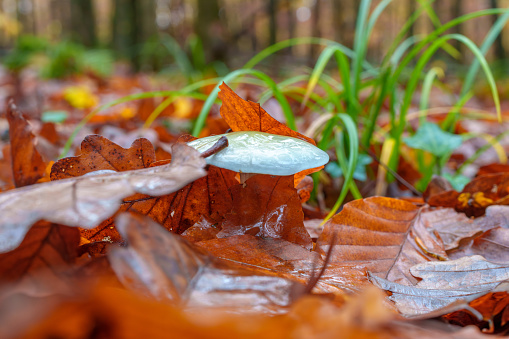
<point x="446" y="282"/>
<point x="27" y="164"/>
<point x="98" y="153"/>
<point x="430" y="137"/>
<point x="88" y="200"/>
<point x="379" y="235"/>
<point x="167" y="267"/>
<point x="266" y="206"/>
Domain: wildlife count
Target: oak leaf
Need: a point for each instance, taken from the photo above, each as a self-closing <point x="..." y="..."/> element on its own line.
<point x="98" y="153"/>
<point x="87" y="201"/>
<point x="27" y="164"/>
<point x="47" y="249"/>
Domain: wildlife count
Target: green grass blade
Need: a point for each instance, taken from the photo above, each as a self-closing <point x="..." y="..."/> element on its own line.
<point x="353" y="153"/>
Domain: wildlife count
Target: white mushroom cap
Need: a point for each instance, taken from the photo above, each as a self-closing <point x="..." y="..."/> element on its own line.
<point x="262" y="153"/>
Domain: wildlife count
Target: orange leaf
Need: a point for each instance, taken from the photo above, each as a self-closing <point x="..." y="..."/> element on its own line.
<point x="27" y="164"/>
<point x="99" y="153"/>
<point x="47" y="249"/>
<point x="242" y="115"/>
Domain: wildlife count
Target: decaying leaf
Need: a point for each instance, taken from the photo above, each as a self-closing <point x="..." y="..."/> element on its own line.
<point x="119" y="314"/>
<point x="27" y="164"/>
<point x="88" y="200"/>
<point x="98" y="153"/>
<point x="165" y="266"/>
<point x="446" y="282"/>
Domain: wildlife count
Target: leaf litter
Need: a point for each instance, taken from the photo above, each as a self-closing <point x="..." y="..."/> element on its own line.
<point x="245" y="255"/>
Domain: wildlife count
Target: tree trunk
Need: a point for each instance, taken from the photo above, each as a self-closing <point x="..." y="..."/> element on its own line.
<point x="133" y="24"/>
<point x="83" y="22"/>
<point x="500" y="52"/>
<point x="210" y="31"/>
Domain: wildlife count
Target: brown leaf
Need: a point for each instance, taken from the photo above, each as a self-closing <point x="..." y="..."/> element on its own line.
<point x="164" y="265"/>
<point x="493" y="245"/>
<point x="374" y="234"/>
<point x="98" y="153"/>
<point x="267" y="206"/>
<point x="47" y="249"/>
<point x="451" y="226"/>
<point x="445" y="282"/>
<point x="27" y="164"/>
<point x="207" y="197"/>
<point x="87" y="201"/>
<point x="493" y="168"/>
<point x="242" y="115"/>
<point x="483" y="191"/>
<point x="114" y="313"/>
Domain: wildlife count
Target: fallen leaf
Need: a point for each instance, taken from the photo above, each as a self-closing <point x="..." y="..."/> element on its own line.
<point x="98" y="153"/>
<point x="266" y="206"/>
<point x="88" y="200"/>
<point x="481" y="192"/>
<point x="119" y="314"/>
<point x="242" y="115"/>
<point x="47" y="249"/>
<point x="374" y="234"/>
<point x="27" y="164"/>
<point x="167" y="267"/>
<point x="451" y="226"/>
<point x="446" y="282"/>
<point x="492" y="244"/>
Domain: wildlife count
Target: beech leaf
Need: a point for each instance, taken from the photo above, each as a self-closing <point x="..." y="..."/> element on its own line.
<point x="444" y="282"/>
<point x="380" y="235"/>
<point x="86" y="201"/>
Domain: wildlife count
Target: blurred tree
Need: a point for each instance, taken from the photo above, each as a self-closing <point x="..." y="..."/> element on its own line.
<point x="272" y="13"/>
<point x="209" y="29"/>
<point x="133" y="24"/>
<point x="500" y="53"/>
<point x="345" y="15"/>
<point x="83" y="22"/>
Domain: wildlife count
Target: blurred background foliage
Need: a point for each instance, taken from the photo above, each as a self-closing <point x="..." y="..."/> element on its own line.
<point x="212" y="35"/>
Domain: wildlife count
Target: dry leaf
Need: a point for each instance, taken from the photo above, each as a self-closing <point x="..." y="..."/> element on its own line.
<point x="446" y="282"/>
<point x="47" y="249"/>
<point x="88" y="200"/>
<point x="27" y="164"/>
<point x="98" y="153"/>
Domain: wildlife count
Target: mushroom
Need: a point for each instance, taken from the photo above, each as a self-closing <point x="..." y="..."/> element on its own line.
<point x="251" y="152"/>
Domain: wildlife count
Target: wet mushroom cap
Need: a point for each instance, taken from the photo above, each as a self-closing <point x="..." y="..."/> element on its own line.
<point x="262" y="153"/>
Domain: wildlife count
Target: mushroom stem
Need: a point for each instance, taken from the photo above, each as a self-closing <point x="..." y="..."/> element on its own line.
<point x="218" y="146"/>
<point x="244" y="176"/>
